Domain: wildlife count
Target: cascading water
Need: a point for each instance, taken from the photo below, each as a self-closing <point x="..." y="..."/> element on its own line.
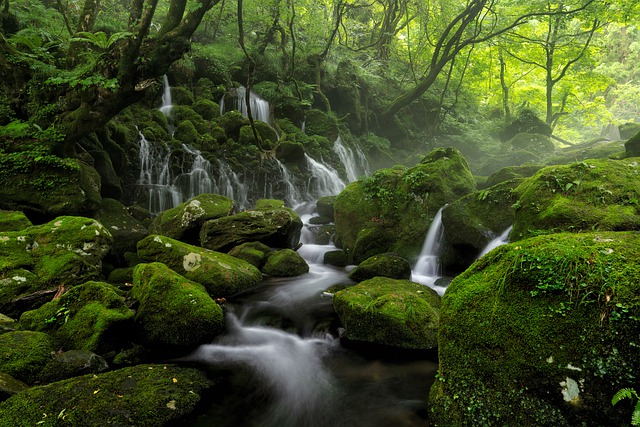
<point x="324" y="180"/>
<point x="260" y="109"/>
<point x="502" y="239"/>
<point x="354" y="165"/>
<point x="166" y="97"/>
<point x="292" y="194"/>
<point x="427" y="267"/>
<point x="155" y="176"/>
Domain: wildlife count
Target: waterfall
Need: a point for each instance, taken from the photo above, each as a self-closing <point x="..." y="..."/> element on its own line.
<point x="354" y="165"/>
<point x="324" y="180"/>
<point x="260" y="109"/>
<point x="428" y="263"/>
<point x="166" y="97"/>
<point x="155" y="176"/>
<point x="502" y="239"/>
<point x="228" y="184"/>
<point x="292" y="196"/>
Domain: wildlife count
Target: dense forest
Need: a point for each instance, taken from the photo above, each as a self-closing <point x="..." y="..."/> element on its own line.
<point x="454" y="183"/>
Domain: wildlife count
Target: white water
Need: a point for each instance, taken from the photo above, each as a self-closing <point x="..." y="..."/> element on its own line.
<point x="166" y="97"/>
<point x="324" y="180"/>
<point x="502" y="239"/>
<point x="427" y="267"/>
<point x="354" y="165"/>
<point x="260" y="109"/>
<point x="292" y="195"/>
<point x="155" y="176"/>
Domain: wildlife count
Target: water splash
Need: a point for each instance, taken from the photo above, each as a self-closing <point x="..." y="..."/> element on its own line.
<point x="502" y="239"/>
<point x="324" y="180"/>
<point x="427" y="267"/>
<point x="166" y="97"/>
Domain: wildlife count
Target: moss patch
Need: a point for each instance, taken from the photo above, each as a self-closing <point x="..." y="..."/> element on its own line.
<point x="285" y="263"/>
<point x="24" y="353"/>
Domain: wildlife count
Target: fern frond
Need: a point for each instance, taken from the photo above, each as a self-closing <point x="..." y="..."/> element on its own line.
<point x="635" y="417"/>
<point x="623" y="393"/>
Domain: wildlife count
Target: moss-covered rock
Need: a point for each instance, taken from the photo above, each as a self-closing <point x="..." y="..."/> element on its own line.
<point x="472" y="221"/>
<point x="267" y="204"/>
<point x="184" y="221"/>
<point x="207" y="109"/>
<point x="397" y="313"/>
<point x="13" y="221"/>
<point x="628" y="129"/>
<point x="231" y="122"/>
<point x="512" y="172"/>
<point x="532" y="142"/>
<point x="221" y="274"/>
<point x="24" y="353"/>
<point x="66" y="251"/>
<point x="72" y="363"/>
<point x="255" y="253"/>
<point x="266" y="134"/>
<point x="10" y="386"/>
<point x="632" y="146"/>
<point x="324" y="206"/>
<point x="285" y="263"/>
<point x="173" y="311"/>
<point x="543" y="331"/>
<point x="385" y="265"/>
<point x="290" y="152"/>
<point x="336" y="258"/>
<point x="92" y="316"/>
<point x="391" y="211"/>
<point x="124" y="228"/>
<point x="186" y="133"/>
<point x="320" y="123"/>
<point x="144" y="395"/>
<point x="110" y="184"/>
<point x="277" y="228"/>
<point x="588" y="195"/>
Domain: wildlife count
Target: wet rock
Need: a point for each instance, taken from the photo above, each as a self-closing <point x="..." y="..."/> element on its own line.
<point x="221" y="274"/>
<point x="173" y="311"/>
<point x="396" y="313"/>
<point x="124" y="228"/>
<point x="23" y="354"/>
<point x="144" y="395"/>
<point x="542" y="331"/>
<point x="324" y="206"/>
<point x="336" y="258"/>
<point x="10" y="386"/>
<point x="72" y="363"/>
<point x="385" y="265"/>
<point x="255" y="253"/>
<point x="285" y="263"/>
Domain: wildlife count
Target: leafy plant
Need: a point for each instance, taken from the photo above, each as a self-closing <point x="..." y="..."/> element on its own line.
<point x="100" y="39"/>
<point x="629" y="393"/>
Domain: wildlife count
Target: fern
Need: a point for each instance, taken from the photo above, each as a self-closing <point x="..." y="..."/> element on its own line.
<point x="100" y="39"/>
<point x="629" y="393"/>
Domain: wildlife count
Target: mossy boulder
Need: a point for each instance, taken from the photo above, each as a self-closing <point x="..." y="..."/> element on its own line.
<point x="24" y="353"/>
<point x="391" y="211"/>
<point x="173" y="311"/>
<point x="285" y="263"/>
<point x="532" y="142"/>
<point x="391" y="312"/>
<point x="231" y="122"/>
<point x="589" y="195"/>
<point x="276" y="228"/>
<point x="255" y="253"/>
<point x="512" y="172"/>
<point x="110" y="184"/>
<point x="10" y="386"/>
<point x="472" y="221"/>
<point x="385" y="265"/>
<point x="221" y="274"/>
<point x="207" y="109"/>
<point x="266" y="133"/>
<point x="290" y="152"/>
<point x="543" y="331"/>
<point x="628" y="129"/>
<point x="124" y="228"/>
<point x="318" y="122"/>
<point x="186" y="133"/>
<point x="632" y="146"/>
<point x="66" y="251"/>
<point x="143" y="395"/>
<point x="267" y="204"/>
<point x="92" y="316"/>
<point x="184" y="221"/>
<point x="72" y="363"/>
<point x="336" y="258"/>
<point x="13" y="221"/>
<point x="324" y="206"/>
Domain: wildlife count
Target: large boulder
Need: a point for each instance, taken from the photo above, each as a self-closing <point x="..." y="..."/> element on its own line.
<point x="10" y="386"/>
<point x="285" y="263"/>
<point x="385" y="265"/>
<point x="13" y="221"/>
<point x="472" y="221"/>
<point x="124" y="228"/>
<point x="143" y="395"/>
<point x="391" y="211"/>
<point x="512" y="172"/>
<point x="92" y="316"/>
<point x="276" y="228"/>
<point x="24" y="353"/>
<point x="72" y="363"/>
<point x="543" y="331"/>
<point x="221" y="274"/>
<point x="632" y="146"/>
<point x="391" y="312"/>
<point x="588" y="195"/>
<point x="173" y="311"/>
<point x="255" y="253"/>
<point x="66" y="251"/>
<point x="184" y="221"/>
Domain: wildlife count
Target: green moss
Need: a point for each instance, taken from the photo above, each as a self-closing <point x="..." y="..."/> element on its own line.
<point x="285" y="263"/>
<point x="173" y="311"/>
<point x="385" y="265"/>
<point x="92" y="316"/>
<point x="320" y="123"/>
<point x="512" y="172"/>
<point x="221" y="274"/>
<point x="144" y="395"/>
<point x="266" y="204"/>
<point x="207" y="109"/>
<point x="13" y="221"/>
<point x="532" y="315"/>
<point x="336" y="258"/>
<point x="254" y="253"/>
<point x="392" y="312"/>
<point x="24" y="353"/>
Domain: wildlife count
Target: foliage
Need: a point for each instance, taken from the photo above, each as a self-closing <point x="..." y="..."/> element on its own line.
<point x="629" y="393"/>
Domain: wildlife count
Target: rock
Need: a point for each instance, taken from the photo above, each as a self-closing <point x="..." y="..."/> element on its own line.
<point x="72" y="363"/>
<point x="50" y="188"/>
<point x="10" y="386"/>
<point x="386" y="265"/>
<point x="13" y="221"/>
<point x="23" y="354"/>
<point x="184" y="221"/>
<point x="285" y="263"/>
<point x="628" y="129"/>
<point x="391" y="211"/>
<point x="110" y="182"/>
<point x="173" y="312"/>
<point x="512" y="172"/>
<point x="589" y="195"/>
<point x="526" y="122"/>
<point x="121" y="276"/>
<point x="66" y="251"/>
<point x="396" y="313"/>
<point x="290" y="152"/>
<point x="632" y="146"/>
<point x="255" y="253"/>
<point x="336" y="258"/>
<point x="92" y="316"/>
<point x="324" y="206"/>
<point x="319" y="220"/>
<point x="542" y="331"/>
<point x="124" y="228"/>
<point x="7" y="324"/>
<point x="221" y="274"/>
<point x="276" y="228"/>
<point x="143" y="395"/>
<point x="540" y="145"/>
<point x="472" y="221"/>
<point x="267" y="204"/>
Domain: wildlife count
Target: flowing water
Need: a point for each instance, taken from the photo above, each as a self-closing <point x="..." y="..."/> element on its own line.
<point x="502" y="239"/>
<point x="166" y="97"/>
<point x="427" y="268"/>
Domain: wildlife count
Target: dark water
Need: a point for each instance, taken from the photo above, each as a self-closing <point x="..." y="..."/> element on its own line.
<point x="283" y="364"/>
